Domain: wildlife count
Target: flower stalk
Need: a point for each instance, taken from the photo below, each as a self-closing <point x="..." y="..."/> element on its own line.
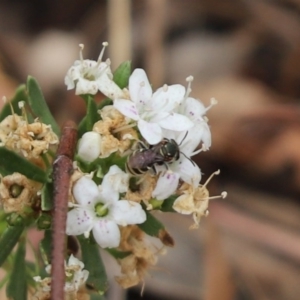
<point x="62" y="172"/>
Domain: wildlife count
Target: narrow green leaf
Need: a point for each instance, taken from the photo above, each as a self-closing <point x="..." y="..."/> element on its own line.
<point x="47" y="196"/>
<point x="151" y="226"/>
<point x="104" y="102"/>
<point x="91" y="111"/>
<point x="20" y="95"/>
<point x="4" y="281"/>
<point x="8" y="240"/>
<point x="17" y="286"/>
<point x="117" y="254"/>
<point x="46" y="247"/>
<point x="97" y="297"/>
<point x="167" y="205"/>
<point x="92" y="260"/>
<point x="122" y="74"/>
<point x="38" y="104"/>
<point x="82" y="127"/>
<point x="154" y="227"/>
<point x="11" y="162"/>
<point x="91" y="116"/>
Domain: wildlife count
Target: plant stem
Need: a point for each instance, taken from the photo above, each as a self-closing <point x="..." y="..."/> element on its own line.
<point x="62" y="171"/>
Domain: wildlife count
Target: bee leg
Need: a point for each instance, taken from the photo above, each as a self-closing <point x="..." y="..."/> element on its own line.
<point x="153" y="169"/>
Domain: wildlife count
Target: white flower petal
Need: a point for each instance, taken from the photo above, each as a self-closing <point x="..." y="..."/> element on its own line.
<point x="139" y="87"/>
<point x="109" y="88"/>
<point x="89" y="146"/>
<point x="189" y="172"/>
<point x="127" y="108"/>
<point x="74" y="261"/>
<point x="79" y="220"/>
<point x="151" y="132"/>
<point x="206" y="135"/>
<point x="190" y="140"/>
<point x="116" y="179"/>
<point x="193" y="108"/>
<point x="128" y="212"/>
<point x="166" y="185"/>
<point x="84" y="86"/>
<point x="176" y="122"/>
<point x="168" y="98"/>
<point x="85" y="191"/>
<point x="106" y="233"/>
<point x="69" y="82"/>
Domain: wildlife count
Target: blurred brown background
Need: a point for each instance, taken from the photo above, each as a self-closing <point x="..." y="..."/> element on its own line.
<point x="246" y="54"/>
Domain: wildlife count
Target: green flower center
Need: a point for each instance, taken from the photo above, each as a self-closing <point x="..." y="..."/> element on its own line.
<point x="70" y="276"/>
<point x="15" y="190"/>
<point x="89" y="77"/>
<point x="101" y="209"/>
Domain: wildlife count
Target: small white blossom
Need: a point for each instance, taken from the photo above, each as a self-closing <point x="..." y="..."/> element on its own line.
<point x="153" y="111"/>
<point x="75" y="277"/>
<point x="195" y="111"/>
<point x="89" y="77"/>
<point x="99" y="209"/>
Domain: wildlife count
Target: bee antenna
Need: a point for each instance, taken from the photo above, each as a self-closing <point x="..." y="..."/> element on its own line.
<point x="183" y="138"/>
<point x="188" y="158"/>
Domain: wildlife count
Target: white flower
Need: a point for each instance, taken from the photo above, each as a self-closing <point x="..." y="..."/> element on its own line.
<point x="184" y="168"/>
<point x="99" y="209"/>
<point x="89" y="76"/>
<point x="89" y="146"/>
<point x="153" y="111"/>
<point x="75" y="276"/>
<point x="195" y="111"/>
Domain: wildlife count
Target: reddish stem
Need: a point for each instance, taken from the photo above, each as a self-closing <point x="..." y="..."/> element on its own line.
<point x="62" y="171"/>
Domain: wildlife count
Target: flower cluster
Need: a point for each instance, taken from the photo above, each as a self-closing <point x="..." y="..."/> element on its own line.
<point x="147" y="138"/>
<point x="134" y="155"/>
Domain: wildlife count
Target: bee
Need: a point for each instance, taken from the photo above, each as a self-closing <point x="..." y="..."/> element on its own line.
<point x="147" y="157"/>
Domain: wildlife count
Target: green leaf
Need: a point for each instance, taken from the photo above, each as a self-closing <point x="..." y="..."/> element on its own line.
<point x="167" y="205"/>
<point x="117" y="254"/>
<point x="38" y="104"/>
<point x="8" y="240"/>
<point x="104" y="102"/>
<point x="4" y="281"/>
<point x="97" y="297"/>
<point x="44" y="221"/>
<point x="102" y="163"/>
<point x="93" y="263"/>
<point x="91" y="116"/>
<point x="122" y="74"/>
<point x="17" y="286"/>
<point x="47" y="197"/>
<point x="20" y="95"/>
<point x="11" y="162"/>
<point x="151" y="226"/>
<point x="46" y="247"/>
<point x="154" y="227"/>
<point x="82" y="127"/>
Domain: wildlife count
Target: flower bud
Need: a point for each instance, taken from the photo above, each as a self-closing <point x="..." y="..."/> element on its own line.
<point x="89" y="146"/>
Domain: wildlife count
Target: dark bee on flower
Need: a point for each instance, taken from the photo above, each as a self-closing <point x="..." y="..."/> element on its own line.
<point x="147" y="157"/>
